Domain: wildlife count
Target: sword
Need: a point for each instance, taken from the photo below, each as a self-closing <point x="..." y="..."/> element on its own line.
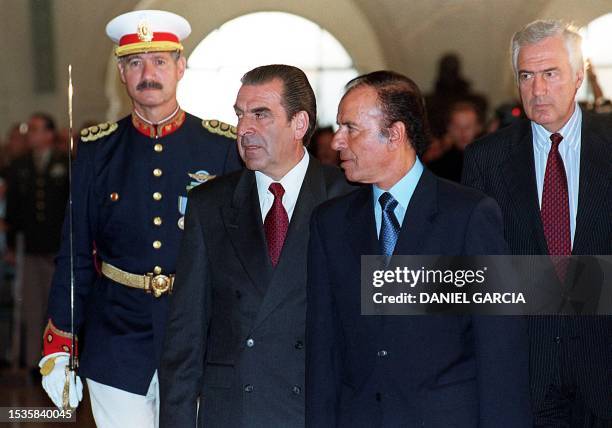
<point x="71" y="367"/>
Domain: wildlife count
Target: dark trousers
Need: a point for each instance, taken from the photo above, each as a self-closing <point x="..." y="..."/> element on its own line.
<point x="563" y="405"/>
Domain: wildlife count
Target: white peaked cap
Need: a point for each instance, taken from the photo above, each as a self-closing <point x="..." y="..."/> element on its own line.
<point x="147" y="31"/>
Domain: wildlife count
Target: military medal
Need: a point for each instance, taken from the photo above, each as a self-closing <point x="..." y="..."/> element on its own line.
<point x="199" y="177"/>
<point x="182" y="207"/>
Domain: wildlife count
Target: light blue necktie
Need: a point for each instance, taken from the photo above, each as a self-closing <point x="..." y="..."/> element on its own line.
<point x="389" y="226"/>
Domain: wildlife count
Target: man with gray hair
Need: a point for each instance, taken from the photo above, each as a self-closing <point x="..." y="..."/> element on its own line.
<point x="550" y="176"/>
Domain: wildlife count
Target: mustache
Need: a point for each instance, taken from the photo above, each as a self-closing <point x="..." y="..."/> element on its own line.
<point x="149" y="84"/>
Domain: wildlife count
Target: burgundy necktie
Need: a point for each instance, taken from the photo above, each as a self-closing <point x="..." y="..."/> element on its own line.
<point x="276" y="223"/>
<point x="555" y="209"/>
<point x="555" y="203"/>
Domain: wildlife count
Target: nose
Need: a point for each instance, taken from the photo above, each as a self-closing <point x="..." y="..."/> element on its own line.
<point x="148" y="70"/>
<point x="339" y="141"/>
<point x="244" y="127"/>
<point x="539" y="85"/>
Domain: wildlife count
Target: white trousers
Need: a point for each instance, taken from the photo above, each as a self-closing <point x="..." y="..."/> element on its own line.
<point x="116" y="408"/>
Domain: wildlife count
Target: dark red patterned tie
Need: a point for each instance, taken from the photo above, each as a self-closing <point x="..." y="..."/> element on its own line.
<point x="555" y="203"/>
<point x="276" y="223"/>
<point x="555" y="209"/>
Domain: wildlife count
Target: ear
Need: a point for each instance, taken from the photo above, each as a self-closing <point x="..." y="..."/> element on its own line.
<point x="300" y="124"/>
<point x="579" y="78"/>
<point x="397" y="135"/>
<point x="181" y="64"/>
<point x="121" y="69"/>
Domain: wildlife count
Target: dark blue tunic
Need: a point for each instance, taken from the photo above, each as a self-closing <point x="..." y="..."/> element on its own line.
<point x="120" y="329"/>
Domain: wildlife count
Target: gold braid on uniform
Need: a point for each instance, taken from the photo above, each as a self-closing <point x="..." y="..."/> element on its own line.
<point x="98" y="131"/>
<point x="220" y="128"/>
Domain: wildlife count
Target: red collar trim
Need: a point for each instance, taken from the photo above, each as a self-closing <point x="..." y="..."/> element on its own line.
<point x="161" y="129"/>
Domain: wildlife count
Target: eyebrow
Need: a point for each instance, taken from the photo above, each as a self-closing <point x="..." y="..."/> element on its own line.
<point x="542" y="71"/>
<point x="253" y="110"/>
<point x="260" y="110"/>
<point x="346" y="123"/>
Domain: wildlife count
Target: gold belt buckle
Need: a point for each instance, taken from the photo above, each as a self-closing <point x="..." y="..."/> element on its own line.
<point x="159" y="284"/>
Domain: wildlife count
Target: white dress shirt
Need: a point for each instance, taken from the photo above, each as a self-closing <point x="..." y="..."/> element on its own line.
<point x="569" y="149"/>
<point x="291" y="182"/>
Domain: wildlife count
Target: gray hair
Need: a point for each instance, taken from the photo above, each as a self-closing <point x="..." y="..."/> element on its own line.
<point x="539" y="30"/>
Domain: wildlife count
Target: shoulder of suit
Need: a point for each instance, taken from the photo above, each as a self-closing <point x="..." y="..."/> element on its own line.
<point x="220" y="128"/>
<point x="216" y="192"/>
<point x="98" y="131"/>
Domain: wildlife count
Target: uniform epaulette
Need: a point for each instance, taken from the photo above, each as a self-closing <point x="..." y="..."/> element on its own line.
<point x="98" y="131"/>
<point x="221" y="128"/>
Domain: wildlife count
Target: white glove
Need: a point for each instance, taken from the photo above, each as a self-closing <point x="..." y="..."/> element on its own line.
<point x="53" y="382"/>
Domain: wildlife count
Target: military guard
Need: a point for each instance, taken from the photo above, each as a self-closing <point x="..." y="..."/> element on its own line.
<point x="130" y="183"/>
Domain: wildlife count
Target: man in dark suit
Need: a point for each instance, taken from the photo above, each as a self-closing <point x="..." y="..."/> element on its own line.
<point x="551" y="177"/>
<point x="36" y="202"/>
<point x="235" y="341"/>
<point x="390" y="371"/>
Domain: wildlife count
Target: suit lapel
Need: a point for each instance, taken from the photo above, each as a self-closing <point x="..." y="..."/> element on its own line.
<point x="244" y="227"/>
<point x="360" y="226"/>
<point x="519" y="176"/>
<point x="290" y="272"/>
<point x="419" y="216"/>
<point x="595" y="176"/>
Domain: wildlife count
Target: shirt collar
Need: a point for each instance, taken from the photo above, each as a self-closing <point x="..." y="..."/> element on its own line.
<point x="402" y="190"/>
<point x="291" y="182"/>
<point x="570" y="131"/>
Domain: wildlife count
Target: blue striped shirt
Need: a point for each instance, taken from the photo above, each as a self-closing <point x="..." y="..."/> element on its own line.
<point x="569" y="149"/>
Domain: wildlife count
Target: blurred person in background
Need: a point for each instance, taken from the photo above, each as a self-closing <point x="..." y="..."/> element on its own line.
<point x="320" y="146"/>
<point x="463" y="127"/>
<point x="505" y="115"/>
<point x="35" y="204"/>
<point x="14" y="146"/>
<point x="450" y="87"/>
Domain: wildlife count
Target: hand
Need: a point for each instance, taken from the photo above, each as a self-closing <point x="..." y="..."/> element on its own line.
<point x="54" y="368"/>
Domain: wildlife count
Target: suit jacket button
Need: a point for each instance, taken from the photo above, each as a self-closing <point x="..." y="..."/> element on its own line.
<point x="299" y="345"/>
<point x="250" y="342"/>
<point x="296" y="390"/>
<point x="248" y="388"/>
<point x="558" y="339"/>
<point x="382" y="353"/>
